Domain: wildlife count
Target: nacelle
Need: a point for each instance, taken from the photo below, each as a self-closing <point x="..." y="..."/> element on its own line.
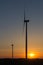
<point x="26" y="20"/>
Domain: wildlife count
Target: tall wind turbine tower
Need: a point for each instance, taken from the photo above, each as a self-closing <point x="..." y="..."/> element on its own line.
<point x="26" y="21"/>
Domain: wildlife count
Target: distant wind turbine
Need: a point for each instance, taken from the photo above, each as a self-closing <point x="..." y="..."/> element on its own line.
<point x="12" y="50"/>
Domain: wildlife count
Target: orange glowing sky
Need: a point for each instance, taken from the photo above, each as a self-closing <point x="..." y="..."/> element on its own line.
<point x="20" y="54"/>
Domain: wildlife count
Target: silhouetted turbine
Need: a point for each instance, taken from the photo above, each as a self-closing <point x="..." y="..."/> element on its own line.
<point x="12" y="50"/>
<point x="25" y="22"/>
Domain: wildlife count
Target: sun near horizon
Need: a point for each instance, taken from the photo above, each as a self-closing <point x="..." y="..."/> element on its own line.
<point x="32" y="55"/>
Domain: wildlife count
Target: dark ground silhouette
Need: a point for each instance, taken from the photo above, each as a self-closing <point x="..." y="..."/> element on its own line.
<point x="21" y="61"/>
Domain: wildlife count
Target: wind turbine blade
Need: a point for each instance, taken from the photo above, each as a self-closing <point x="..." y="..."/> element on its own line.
<point x="23" y="26"/>
<point x="24" y="21"/>
<point x="24" y="14"/>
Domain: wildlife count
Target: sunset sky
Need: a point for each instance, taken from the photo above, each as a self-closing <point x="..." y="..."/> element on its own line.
<point x="12" y="23"/>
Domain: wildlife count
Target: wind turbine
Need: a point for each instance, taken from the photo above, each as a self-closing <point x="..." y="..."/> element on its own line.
<point x="25" y="22"/>
<point x="12" y="50"/>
